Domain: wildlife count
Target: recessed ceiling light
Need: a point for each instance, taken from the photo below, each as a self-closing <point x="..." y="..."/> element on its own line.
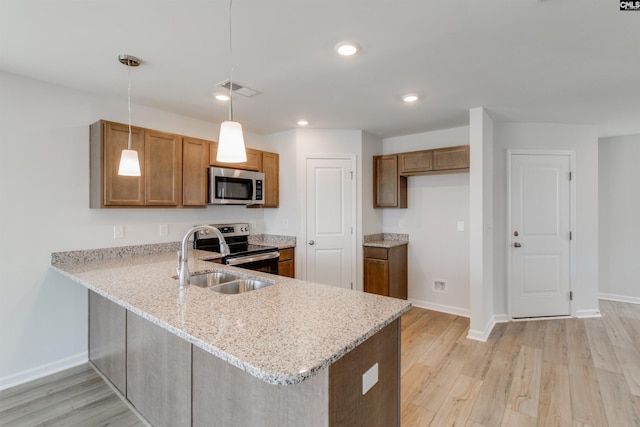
<point x="347" y="48"/>
<point x="303" y="122"/>
<point x="221" y="97"/>
<point x="410" y="98"/>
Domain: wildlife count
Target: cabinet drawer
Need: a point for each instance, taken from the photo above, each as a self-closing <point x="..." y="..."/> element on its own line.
<point x="286" y="254"/>
<point x="377" y="253"/>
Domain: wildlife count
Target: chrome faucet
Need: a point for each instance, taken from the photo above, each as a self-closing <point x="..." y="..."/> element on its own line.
<point x="183" y="266"/>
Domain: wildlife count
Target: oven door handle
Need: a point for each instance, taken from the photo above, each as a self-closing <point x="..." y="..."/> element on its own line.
<point x="252" y="258"/>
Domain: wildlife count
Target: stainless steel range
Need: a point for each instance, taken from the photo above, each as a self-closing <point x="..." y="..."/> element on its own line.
<point x="243" y="255"/>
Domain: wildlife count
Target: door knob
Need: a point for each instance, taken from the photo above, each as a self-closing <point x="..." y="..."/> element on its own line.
<point x="311" y="242"/>
<point x="517" y="245"/>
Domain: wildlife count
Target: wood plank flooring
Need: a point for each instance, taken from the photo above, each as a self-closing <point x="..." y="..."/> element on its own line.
<point x="569" y="372"/>
<point x="74" y="397"/>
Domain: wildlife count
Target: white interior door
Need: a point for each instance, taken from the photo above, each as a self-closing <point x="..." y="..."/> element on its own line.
<point x="540" y="252"/>
<point x="329" y="222"/>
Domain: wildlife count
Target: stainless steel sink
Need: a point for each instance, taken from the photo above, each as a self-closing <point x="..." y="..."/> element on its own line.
<point x="241" y="285"/>
<point x="214" y="278"/>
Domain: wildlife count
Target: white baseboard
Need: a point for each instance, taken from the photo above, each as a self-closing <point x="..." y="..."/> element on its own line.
<point x="619" y="298"/>
<point x="440" y="307"/>
<point x="43" y="370"/>
<point x="581" y="314"/>
<point x="484" y="335"/>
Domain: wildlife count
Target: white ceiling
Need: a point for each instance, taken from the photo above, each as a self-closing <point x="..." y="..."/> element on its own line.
<point x="563" y="61"/>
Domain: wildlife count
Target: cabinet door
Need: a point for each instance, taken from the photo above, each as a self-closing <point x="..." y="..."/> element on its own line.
<point x="389" y="188"/>
<point x="451" y="158"/>
<point x="107" y="339"/>
<point x="416" y="162"/>
<point x="271" y="170"/>
<point x="286" y="264"/>
<point x="163" y="168"/>
<point x="158" y="373"/>
<point x="121" y="190"/>
<point x="376" y="276"/>
<point x="195" y="161"/>
<point x="253" y="163"/>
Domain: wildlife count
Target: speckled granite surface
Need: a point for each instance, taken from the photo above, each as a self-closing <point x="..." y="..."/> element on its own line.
<point x="282" y="334"/>
<point x="385" y="240"/>
<point x="281" y="242"/>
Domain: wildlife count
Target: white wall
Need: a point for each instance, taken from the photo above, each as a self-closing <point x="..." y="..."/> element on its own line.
<point x="371" y="218"/>
<point x="584" y="141"/>
<point x="619" y="208"/>
<point x="44" y="185"/>
<point x="436" y="204"/>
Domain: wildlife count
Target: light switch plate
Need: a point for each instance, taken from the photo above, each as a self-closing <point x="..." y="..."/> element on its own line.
<point x="164" y="229"/>
<point x="369" y="379"/>
<point x="460" y="225"/>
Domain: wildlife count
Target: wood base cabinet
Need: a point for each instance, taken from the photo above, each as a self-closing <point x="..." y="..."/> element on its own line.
<point x="286" y="263"/>
<point x="385" y="271"/>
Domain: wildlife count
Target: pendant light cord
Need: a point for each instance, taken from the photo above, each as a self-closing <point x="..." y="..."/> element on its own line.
<point x="231" y="63"/>
<point x="129" y="105"/>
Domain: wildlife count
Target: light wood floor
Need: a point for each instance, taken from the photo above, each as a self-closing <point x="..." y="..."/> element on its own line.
<point x="573" y="372"/>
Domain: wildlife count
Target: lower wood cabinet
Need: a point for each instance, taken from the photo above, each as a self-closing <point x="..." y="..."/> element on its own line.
<point x="385" y="271"/>
<point x="158" y="373"/>
<point x="286" y="263"/>
<point x="108" y="339"/>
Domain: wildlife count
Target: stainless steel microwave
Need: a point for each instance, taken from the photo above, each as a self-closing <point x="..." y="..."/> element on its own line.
<point x="235" y="187"/>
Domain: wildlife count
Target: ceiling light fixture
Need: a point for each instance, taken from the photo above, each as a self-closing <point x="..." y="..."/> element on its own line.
<point x="410" y="98"/>
<point x="303" y="122"/>
<point x="231" y="142"/>
<point x="129" y="163"/>
<point x="346" y="48"/>
<point x="221" y="97"/>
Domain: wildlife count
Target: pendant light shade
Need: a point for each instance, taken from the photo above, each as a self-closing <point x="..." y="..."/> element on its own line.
<point x="129" y="163"/>
<point x="231" y="143"/>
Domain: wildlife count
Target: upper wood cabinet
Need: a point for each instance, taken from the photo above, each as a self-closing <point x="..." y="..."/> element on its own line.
<point x="438" y="161"/>
<point x="253" y="163"/>
<point x="415" y="162"/>
<point x="195" y="161"/>
<point x="451" y="158"/>
<point x="107" y="187"/>
<point x="271" y="170"/>
<point x="173" y="168"/>
<point x="389" y="188"/>
<point x="163" y="168"/>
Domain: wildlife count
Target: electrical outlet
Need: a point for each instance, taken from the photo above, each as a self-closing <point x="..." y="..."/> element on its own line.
<point x="440" y="285"/>
<point x="164" y="229"/>
<point x="118" y="231"/>
<point x="369" y="379"/>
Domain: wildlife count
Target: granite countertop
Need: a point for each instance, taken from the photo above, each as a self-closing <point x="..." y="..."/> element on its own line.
<point x="385" y="240"/>
<point x="280" y="242"/>
<point x="282" y="334"/>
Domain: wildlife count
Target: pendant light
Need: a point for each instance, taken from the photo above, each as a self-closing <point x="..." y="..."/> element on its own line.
<point x="129" y="163"/>
<point x="231" y="142"/>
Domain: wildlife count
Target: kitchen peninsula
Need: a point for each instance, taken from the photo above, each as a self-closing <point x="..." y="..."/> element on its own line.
<point x="293" y="353"/>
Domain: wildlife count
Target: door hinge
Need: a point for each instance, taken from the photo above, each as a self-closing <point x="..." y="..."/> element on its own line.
<point x="570" y="176"/>
<point x="570" y="295"/>
<point x="351" y="230"/>
<point x="571" y="235"/>
<point x="351" y="173"/>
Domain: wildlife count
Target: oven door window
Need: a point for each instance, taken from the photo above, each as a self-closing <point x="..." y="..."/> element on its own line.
<point x="234" y="188"/>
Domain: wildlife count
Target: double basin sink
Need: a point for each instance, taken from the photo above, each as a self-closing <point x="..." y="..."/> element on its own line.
<point x="227" y="283"/>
